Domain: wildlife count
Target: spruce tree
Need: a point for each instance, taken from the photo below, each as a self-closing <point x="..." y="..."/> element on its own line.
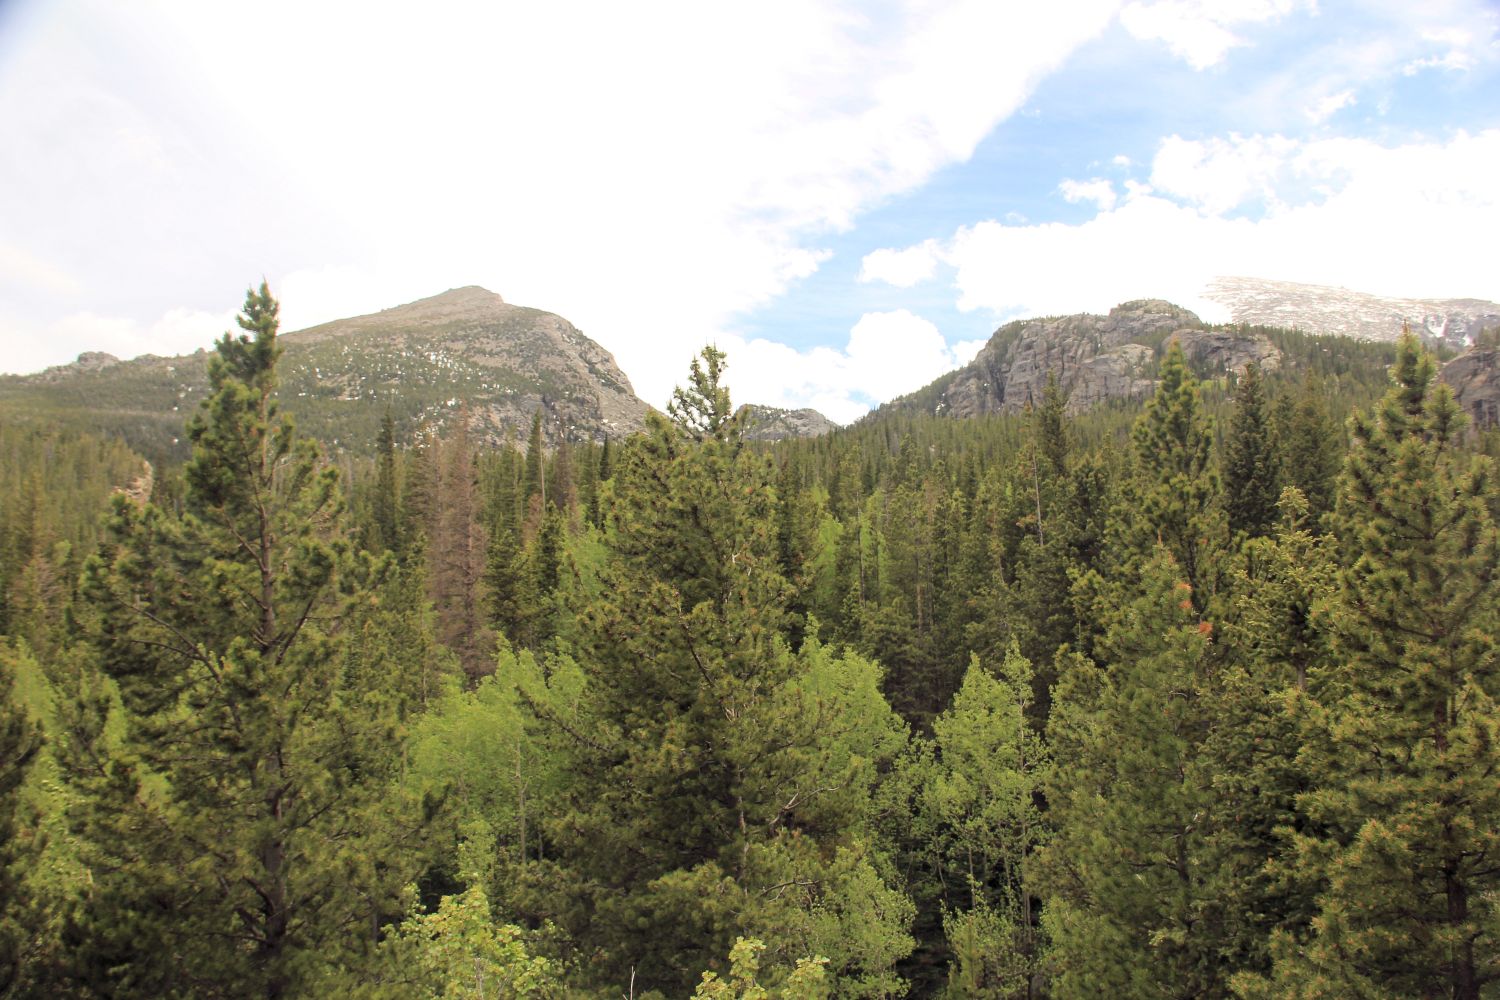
<point x="241" y="832"/>
<point x="1312" y="447"/>
<point x="1399" y="833"/>
<point x="1251" y="462"/>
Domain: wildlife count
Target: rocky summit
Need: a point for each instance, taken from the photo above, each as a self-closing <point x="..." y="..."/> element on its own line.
<point x="1094" y="358"/>
<point x="464" y="351"/>
<point x="1321" y="309"/>
<point x="770" y="423"/>
<point x="501" y="361"/>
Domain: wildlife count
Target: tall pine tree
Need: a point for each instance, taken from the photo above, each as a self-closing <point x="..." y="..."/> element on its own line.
<point x="1399" y="833"/>
<point x="241" y="833"/>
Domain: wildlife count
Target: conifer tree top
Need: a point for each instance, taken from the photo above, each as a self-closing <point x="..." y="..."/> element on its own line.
<point x="702" y="410"/>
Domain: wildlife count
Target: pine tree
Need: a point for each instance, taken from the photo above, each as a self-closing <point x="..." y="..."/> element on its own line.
<point x="721" y="781"/>
<point x="1312" y="447"/>
<point x="236" y="835"/>
<point x="1176" y="497"/>
<point x="386" y="514"/>
<point x="1399" y="832"/>
<point x="456" y="552"/>
<point x="1131" y="907"/>
<point x="562" y="493"/>
<point x="1251" y="462"/>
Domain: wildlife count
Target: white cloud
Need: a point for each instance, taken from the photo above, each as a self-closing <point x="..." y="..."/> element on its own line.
<point x="1400" y="220"/>
<point x="902" y="268"/>
<point x="1326" y="107"/>
<point x="1200" y="31"/>
<point x="1099" y="191"/>
<point x="887" y="354"/>
<point x="966" y="350"/>
<point x="1221" y="174"/>
<point x="648" y="173"/>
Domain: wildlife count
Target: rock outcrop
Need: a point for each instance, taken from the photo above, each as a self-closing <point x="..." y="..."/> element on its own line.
<point x="1093" y="357"/>
<point x="1214" y="352"/>
<point x="87" y="363"/>
<point x="1475" y="379"/>
<point x="769" y="423"/>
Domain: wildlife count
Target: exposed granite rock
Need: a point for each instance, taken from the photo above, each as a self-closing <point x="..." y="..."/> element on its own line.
<point x="1083" y="351"/>
<point x="1475" y="379"/>
<point x="1213" y="352"/>
<point x="1122" y="372"/>
<point x="769" y="423"/>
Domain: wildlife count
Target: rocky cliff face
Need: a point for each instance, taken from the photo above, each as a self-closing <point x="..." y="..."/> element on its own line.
<point x="1475" y="379"/>
<point x="768" y="423"/>
<point x="1094" y="358"/>
<point x="1320" y="309"/>
<point x="1214" y="352"/>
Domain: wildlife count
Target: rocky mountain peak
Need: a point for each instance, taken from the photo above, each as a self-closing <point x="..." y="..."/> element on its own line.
<point x="770" y="423"/>
<point x="1340" y="311"/>
<point x="466" y="350"/>
<point x="1094" y="358"/>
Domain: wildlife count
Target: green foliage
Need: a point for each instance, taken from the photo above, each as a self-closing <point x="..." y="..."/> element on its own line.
<point x="1176" y="502"/>
<point x="720" y="782"/>
<point x="980" y="805"/>
<point x="1251" y="462"/>
<point x="805" y="982"/>
<point x="21" y="842"/>
<point x="1400" y="727"/>
<point x="702" y="408"/>
<point x="244" y="823"/>
<point x="1131" y="907"/>
<point x="458" y="949"/>
<point x="1266" y="768"/>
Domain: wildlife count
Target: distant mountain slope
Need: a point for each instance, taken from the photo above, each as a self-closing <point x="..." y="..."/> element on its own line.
<point x="769" y="423"/>
<point x="1096" y="359"/>
<point x="1325" y="310"/>
<point x="423" y="360"/>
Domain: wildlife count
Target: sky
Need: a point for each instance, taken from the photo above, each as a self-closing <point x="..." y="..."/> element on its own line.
<point x="847" y="198"/>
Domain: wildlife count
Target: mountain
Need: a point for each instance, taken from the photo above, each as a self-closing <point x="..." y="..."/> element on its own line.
<point x="1475" y="379"/>
<point x="1096" y="359"/>
<point x="769" y="423"/>
<point x="423" y="361"/>
<point x="1453" y="323"/>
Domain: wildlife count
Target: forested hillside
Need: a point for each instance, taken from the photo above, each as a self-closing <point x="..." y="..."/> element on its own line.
<point x="1192" y="696"/>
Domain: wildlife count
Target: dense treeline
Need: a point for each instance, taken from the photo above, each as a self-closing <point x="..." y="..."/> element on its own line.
<point x="1194" y="700"/>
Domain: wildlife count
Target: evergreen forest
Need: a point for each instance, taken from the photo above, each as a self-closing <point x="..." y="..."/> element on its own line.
<point x="1194" y="699"/>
